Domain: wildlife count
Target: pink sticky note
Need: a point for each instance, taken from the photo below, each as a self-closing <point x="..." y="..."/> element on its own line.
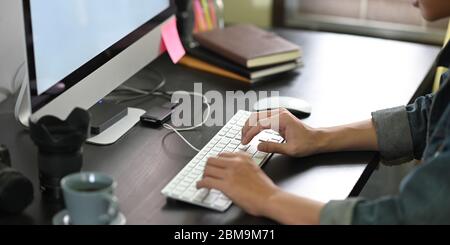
<point x="162" y="48"/>
<point x="172" y="41"/>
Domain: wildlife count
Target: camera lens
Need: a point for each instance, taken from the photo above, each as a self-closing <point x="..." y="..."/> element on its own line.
<point x="59" y="149"/>
<point x="16" y="191"/>
<point x="53" y="167"/>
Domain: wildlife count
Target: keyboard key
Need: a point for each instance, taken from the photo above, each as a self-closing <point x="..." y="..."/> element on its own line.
<point x="221" y="203"/>
<point x="189" y="179"/>
<point x="210" y="198"/>
<point x="236" y="128"/>
<point x="197" y="172"/>
<point x="252" y="149"/>
<point x="215" y="192"/>
<point x="201" y="194"/>
<point x="235" y="142"/>
<point x="243" y="147"/>
<point x="273" y="140"/>
<point x="178" y="191"/>
<point x="184" y="184"/>
<point x="241" y="122"/>
<point x="238" y="136"/>
<point x="260" y="154"/>
<point x="188" y="194"/>
<point x="225" y="141"/>
<point x="215" y="152"/>
<point x="230" y="149"/>
<point x="258" y="161"/>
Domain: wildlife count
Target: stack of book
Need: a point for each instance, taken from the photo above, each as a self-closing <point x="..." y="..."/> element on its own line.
<point x="243" y="52"/>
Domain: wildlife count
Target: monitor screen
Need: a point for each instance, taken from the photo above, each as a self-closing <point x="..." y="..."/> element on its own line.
<point x="67" y="34"/>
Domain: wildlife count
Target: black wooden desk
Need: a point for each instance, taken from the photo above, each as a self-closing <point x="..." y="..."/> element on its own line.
<point x="345" y="78"/>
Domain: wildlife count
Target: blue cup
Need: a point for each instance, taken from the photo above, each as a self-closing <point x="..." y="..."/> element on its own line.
<point x="89" y="198"/>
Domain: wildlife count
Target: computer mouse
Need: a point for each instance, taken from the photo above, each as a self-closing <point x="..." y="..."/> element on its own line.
<point x="299" y="108"/>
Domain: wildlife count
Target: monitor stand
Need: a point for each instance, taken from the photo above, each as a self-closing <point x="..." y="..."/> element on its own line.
<point x="109" y="136"/>
<point x="112" y="134"/>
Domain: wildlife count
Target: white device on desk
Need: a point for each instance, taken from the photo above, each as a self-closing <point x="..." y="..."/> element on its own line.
<point x="298" y="107"/>
<point x="183" y="186"/>
<point x="80" y="51"/>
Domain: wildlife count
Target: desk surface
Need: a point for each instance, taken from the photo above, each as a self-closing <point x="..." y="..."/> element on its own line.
<point x="345" y="78"/>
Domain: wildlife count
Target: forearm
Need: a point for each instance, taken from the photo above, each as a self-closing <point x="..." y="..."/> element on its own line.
<point x="360" y="136"/>
<point x="286" y="208"/>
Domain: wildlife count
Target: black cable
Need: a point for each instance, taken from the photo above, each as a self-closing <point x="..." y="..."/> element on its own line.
<point x="141" y="93"/>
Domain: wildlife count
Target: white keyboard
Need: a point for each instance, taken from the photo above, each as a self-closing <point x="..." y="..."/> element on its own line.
<point x="183" y="186"/>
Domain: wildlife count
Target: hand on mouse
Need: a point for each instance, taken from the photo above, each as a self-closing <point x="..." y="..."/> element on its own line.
<point x="239" y="178"/>
<point x="300" y="138"/>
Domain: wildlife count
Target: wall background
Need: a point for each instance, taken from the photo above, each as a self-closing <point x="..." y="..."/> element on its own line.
<point x="12" y="44"/>
<point x="258" y="12"/>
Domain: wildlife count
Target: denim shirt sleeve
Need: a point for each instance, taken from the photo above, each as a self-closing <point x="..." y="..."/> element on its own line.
<point x="418" y="115"/>
<point x="423" y="199"/>
<point x="401" y="131"/>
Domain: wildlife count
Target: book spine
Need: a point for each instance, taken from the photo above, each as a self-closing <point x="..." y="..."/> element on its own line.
<point x="212" y="12"/>
<point x="206" y="10"/>
<point x="199" y="17"/>
<point x="221" y="51"/>
<point x="220" y="62"/>
<point x="203" y="66"/>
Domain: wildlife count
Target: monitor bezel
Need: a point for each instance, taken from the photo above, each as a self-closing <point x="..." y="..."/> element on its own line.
<point x="39" y="101"/>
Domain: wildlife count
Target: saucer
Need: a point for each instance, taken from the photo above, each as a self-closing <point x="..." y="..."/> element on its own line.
<point x="63" y="218"/>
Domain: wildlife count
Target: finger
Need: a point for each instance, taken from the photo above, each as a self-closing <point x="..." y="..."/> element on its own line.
<point x="227" y="155"/>
<point x="270" y="147"/>
<point x="217" y="162"/>
<point x="255" y="117"/>
<point x="253" y="131"/>
<point x="213" y="172"/>
<point x="230" y="156"/>
<point x="210" y="183"/>
<point x="243" y="155"/>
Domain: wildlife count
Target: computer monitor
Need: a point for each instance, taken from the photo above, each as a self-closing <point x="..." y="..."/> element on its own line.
<point x="78" y="51"/>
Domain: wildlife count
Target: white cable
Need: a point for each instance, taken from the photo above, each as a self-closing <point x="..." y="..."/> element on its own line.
<point x="178" y="130"/>
<point x="167" y="126"/>
<point x="21" y="112"/>
<point x="17" y="80"/>
<point x="14" y="83"/>
<point x="134" y="90"/>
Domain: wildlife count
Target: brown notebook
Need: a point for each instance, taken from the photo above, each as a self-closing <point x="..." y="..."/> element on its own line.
<point x="249" y="46"/>
<point x="201" y="65"/>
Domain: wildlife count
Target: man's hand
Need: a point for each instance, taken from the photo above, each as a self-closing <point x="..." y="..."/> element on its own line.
<point x="300" y="139"/>
<point x="239" y="178"/>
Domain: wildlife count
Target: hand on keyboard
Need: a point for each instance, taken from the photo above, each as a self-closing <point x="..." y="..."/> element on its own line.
<point x="300" y="138"/>
<point x="243" y="182"/>
<point x="240" y="179"/>
<point x="183" y="186"/>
